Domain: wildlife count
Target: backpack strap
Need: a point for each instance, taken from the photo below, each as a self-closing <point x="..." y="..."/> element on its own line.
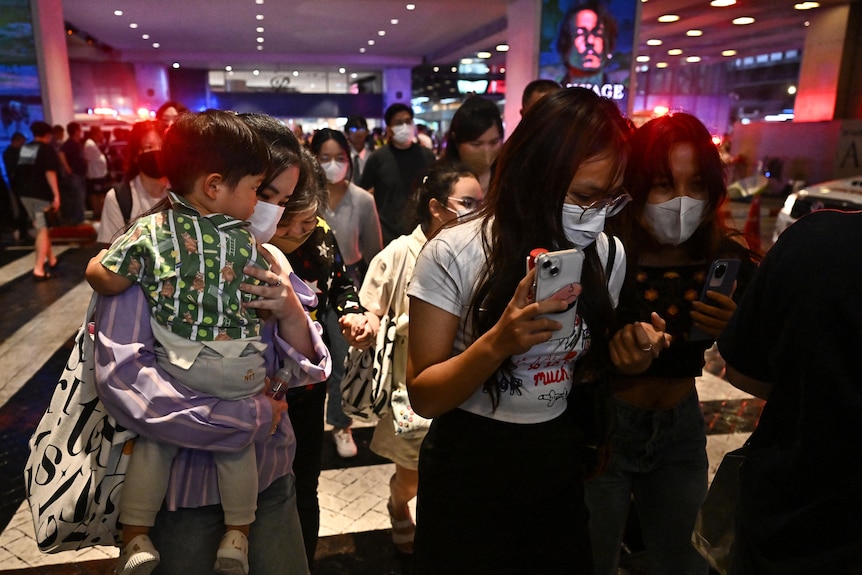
<point x="124" y="199"/>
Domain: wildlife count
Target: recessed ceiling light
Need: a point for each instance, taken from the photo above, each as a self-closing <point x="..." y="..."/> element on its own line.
<point x="260" y="39"/>
<point x="118" y="12"/>
<point x="311" y="85"/>
<point x="228" y="68"/>
<point x="295" y="73"/>
<point x="381" y="32"/>
<point x="145" y="36"/>
<point x="411" y="6"/>
<point x="743" y="20"/>
<point x="674" y="52"/>
<point x="371" y="42"/>
<point x="502" y="48"/>
<point x="259" y="29"/>
<point x="722" y="3"/>
<point x="436" y="68"/>
<point x="258" y="1"/>
<point x="694" y="33"/>
<point x="502" y="70"/>
<point x="693" y="59"/>
<point x="665" y="18"/>
<point x="354" y="75"/>
<point x="643" y="58"/>
<point x="342" y="70"/>
<point x="806" y="5"/>
<point x="230" y="73"/>
<point x="653" y="42"/>
<point x="466" y="61"/>
<point x="483" y="55"/>
<point x="256" y="72"/>
<point x="394" y="21"/>
<point x="362" y="50"/>
<point x="791" y="90"/>
<point x="260" y="47"/>
<point x="661" y="64"/>
<point x="259" y="17"/>
<point x="133" y="25"/>
<point x="156" y="44"/>
<point x="454" y="69"/>
<point x="175" y="65"/>
<point x="728" y="53"/>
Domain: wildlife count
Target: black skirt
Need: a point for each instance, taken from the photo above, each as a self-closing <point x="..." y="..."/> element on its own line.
<point x="497" y="497"/>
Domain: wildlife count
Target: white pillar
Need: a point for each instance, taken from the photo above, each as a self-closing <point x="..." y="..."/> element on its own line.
<point x="522" y="59"/>
<point x="397" y="87"/>
<point x="52" y="57"/>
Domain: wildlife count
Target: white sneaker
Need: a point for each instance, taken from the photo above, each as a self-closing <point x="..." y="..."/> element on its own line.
<point x="139" y="557"/>
<point x="344" y="442"/>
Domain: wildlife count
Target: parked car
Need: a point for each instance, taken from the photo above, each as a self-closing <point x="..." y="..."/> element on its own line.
<point x="844" y="195"/>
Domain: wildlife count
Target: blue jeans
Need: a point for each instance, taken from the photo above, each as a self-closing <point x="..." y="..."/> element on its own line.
<point x="335" y="415"/>
<point x="660" y="458"/>
<point x="187" y="539"/>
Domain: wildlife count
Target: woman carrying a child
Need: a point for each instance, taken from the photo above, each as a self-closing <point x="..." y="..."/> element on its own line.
<point x="145" y="398"/>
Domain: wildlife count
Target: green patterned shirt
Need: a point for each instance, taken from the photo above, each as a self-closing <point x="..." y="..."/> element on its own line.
<point x="190" y="267"/>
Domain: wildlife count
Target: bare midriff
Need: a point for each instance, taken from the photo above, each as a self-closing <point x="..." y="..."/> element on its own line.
<point x="652" y="392"/>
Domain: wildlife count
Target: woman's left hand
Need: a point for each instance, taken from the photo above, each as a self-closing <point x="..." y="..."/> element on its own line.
<point x="712" y="319"/>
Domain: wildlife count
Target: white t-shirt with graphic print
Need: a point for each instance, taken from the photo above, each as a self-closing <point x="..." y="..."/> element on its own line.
<point x="447" y="273"/>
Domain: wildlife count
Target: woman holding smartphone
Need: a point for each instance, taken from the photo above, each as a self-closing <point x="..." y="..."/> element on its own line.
<point x="672" y="231"/>
<point x="500" y="487"/>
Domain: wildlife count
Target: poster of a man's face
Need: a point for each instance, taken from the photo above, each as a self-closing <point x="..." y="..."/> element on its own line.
<point x="588" y="43"/>
<point x="587" y="37"/>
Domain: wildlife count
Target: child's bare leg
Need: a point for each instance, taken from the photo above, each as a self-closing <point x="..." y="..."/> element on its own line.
<point x="241" y="528"/>
<point x="132" y="531"/>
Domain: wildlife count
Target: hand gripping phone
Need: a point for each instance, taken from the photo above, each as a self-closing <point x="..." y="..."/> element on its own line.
<point x="722" y="273"/>
<point x="558" y="276"/>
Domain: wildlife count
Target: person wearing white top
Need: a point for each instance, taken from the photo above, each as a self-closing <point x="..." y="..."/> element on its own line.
<point x="501" y="468"/>
<point x="97" y="170"/>
<point x="143" y="182"/>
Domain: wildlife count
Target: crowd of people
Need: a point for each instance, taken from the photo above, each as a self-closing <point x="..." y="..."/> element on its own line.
<point x="262" y="255"/>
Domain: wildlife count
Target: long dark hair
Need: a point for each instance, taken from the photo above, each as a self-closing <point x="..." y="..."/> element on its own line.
<point x="649" y="162"/>
<point x="136" y="137"/>
<point x="525" y="202"/>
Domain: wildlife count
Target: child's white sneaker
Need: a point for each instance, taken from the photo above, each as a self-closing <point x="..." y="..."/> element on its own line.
<point x="139" y="557"/>
<point x="232" y="554"/>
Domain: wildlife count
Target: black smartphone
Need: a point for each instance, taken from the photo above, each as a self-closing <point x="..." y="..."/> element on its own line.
<point x="558" y="276"/>
<point x="720" y="278"/>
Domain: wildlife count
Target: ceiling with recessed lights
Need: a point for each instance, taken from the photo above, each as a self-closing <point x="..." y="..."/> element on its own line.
<point x="375" y="34"/>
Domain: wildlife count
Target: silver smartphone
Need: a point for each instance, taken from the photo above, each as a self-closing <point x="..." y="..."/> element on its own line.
<point x="722" y="273"/>
<point x="558" y="276"/>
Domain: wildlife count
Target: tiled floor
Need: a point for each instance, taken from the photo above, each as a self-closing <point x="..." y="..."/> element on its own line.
<point x="39" y="319"/>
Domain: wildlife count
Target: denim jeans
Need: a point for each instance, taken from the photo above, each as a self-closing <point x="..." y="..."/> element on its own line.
<point x="187" y="539"/>
<point x="335" y="415"/>
<point x="660" y="458"/>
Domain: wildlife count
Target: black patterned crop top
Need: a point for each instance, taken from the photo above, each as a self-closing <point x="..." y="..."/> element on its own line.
<point x="668" y="291"/>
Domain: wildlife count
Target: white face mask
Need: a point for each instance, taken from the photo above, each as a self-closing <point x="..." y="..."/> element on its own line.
<point x="582" y="228"/>
<point x="402" y="134"/>
<point x="674" y="221"/>
<point x="335" y="171"/>
<point x="264" y="220"/>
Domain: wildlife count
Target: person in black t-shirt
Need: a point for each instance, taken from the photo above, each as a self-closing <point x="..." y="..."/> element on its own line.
<point x="35" y="182"/>
<point x="391" y="171"/>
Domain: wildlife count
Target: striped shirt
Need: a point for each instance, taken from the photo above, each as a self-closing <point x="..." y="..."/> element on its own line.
<point x="139" y="395"/>
<point x="190" y="267"/>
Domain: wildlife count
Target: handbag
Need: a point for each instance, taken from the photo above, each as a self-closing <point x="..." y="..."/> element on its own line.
<point x="714" y="527"/>
<point x="407" y="422"/>
<point x="367" y="382"/>
<point x="77" y="463"/>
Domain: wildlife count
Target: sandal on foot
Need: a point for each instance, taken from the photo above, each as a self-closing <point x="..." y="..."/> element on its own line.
<point x="139" y="557"/>
<point x="403" y="531"/>
<point x="44" y="277"/>
<point x="232" y="554"/>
